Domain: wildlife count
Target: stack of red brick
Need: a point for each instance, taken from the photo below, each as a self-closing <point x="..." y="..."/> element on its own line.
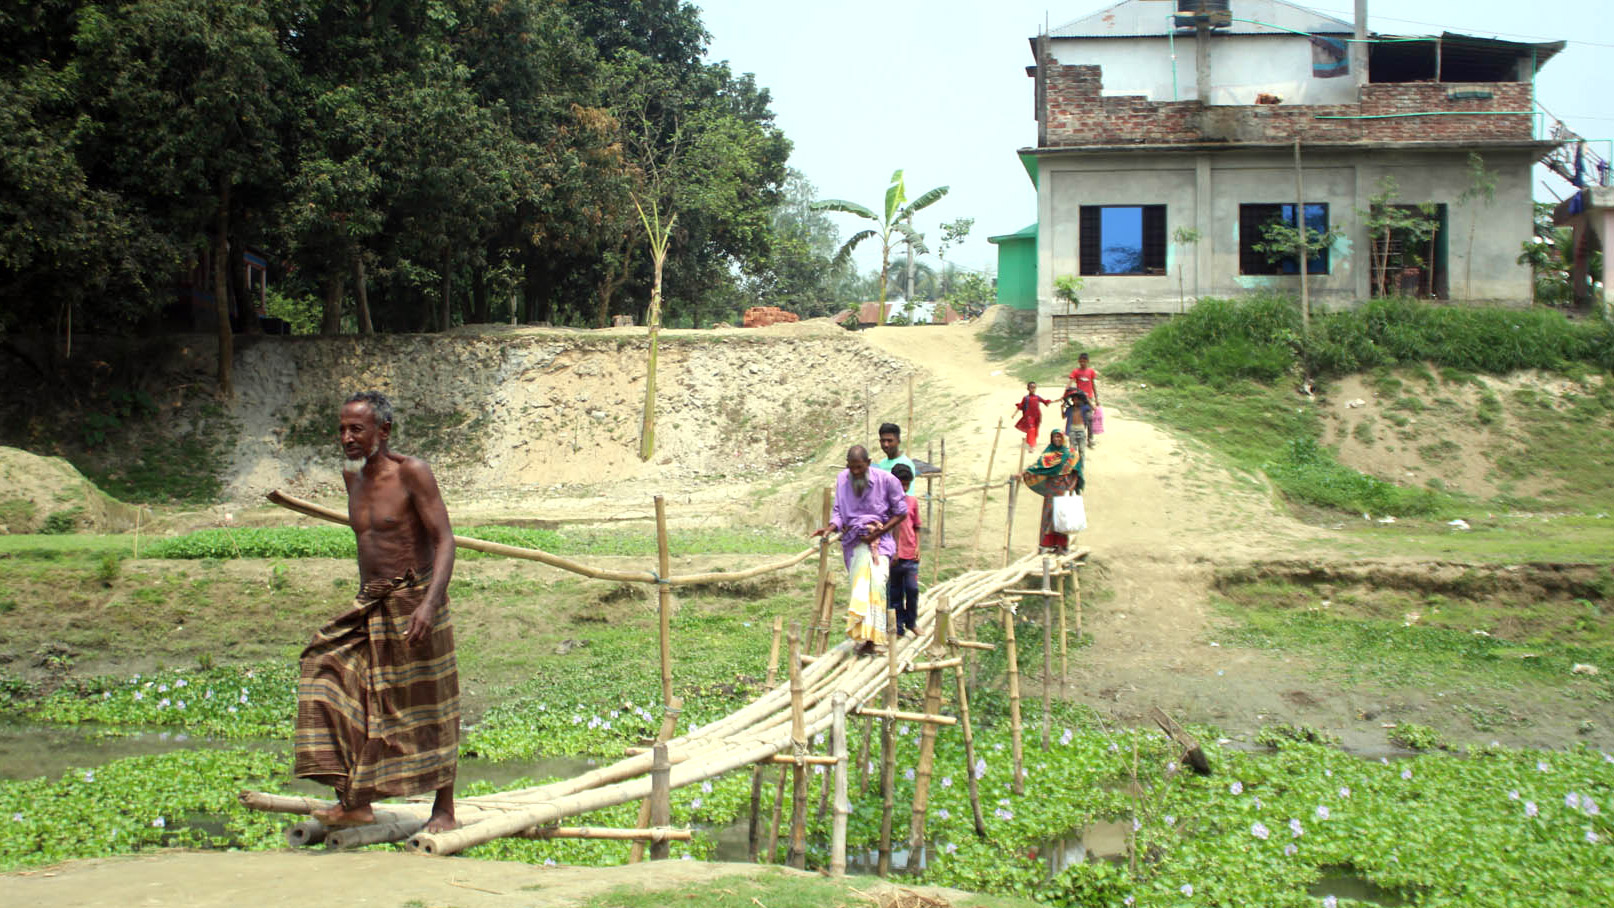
<point x="763" y="316"/>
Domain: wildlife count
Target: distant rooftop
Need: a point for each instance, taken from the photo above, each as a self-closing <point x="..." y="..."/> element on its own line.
<point x="1146" y="18"/>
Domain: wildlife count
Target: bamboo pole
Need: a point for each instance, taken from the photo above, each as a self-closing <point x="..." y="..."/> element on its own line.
<point x="1064" y="640"/>
<point x="980" y="516"/>
<point x="843" y="807"/>
<point x="753" y="837"/>
<point x="900" y="715"/>
<point x="927" y="740"/>
<point x="969" y="750"/>
<point x="908" y="426"/>
<point x="936" y="665"/>
<point x="941" y="513"/>
<point x="825" y="619"/>
<point x="566" y="564"/>
<point x="664" y="598"/>
<point x="1047" y="656"/>
<point x="863" y="756"/>
<point x="798" y="738"/>
<point x="1008" y="524"/>
<point x="660" y="797"/>
<point x="306" y="832"/>
<point x="826" y="506"/>
<point x="778" y="817"/>
<point x="654" y="834"/>
<point x="669" y="724"/>
<point x="888" y="750"/>
<point x="1013" y="654"/>
<point x="1076" y="590"/>
<point x="930" y="498"/>
<point x="372" y="834"/>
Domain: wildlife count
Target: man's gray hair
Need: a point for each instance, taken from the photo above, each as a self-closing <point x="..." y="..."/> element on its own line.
<point x="379" y="405"/>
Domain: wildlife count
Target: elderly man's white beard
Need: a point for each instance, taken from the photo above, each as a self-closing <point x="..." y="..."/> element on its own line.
<point x="860" y="484"/>
<point x="354" y="466"/>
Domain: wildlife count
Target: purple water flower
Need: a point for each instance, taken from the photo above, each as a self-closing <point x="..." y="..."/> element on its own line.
<point x="1171" y="820"/>
<point x="1187" y="889"/>
<point x="1236" y="788"/>
<point x="980" y="768"/>
<point x="163" y="703"/>
<point x="1113" y="747"/>
<point x="1591" y="837"/>
<point x="549" y="862"/>
<point x="947" y="781"/>
<point x="1330" y="902"/>
<point x="1590" y="806"/>
<point x="706" y="787"/>
<point x="159" y="822"/>
<point x="16" y="817"/>
<point x="944" y="813"/>
<point x="1542" y="766"/>
<point x="907" y="774"/>
<point x="1572" y="801"/>
<point x="1136" y="824"/>
<point x="1257" y="801"/>
<point x="139" y="696"/>
<point x="950" y="848"/>
<point x="181" y="682"/>
<point x="1406" y="774"/>
<point x="1530" y="809"/>
<point x="1290" y="849"/>
<point x="1003" y="814"/>
<point x="695" y="804"/>
<point x="1128" y="900"/>
<point x="232" y="708"/>
<point x="162" y="688"/>
<point x="1322" y="811"/>
<point x="89" y="775"/>
<point x="1296" y="829"/>
<point x="1066" y="738"/>
<point x="1513" y="795"/>
<point x="1344" y="791"/>
<point x="1259" y="830"/>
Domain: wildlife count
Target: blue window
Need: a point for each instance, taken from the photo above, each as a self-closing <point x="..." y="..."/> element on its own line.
<point x="1122" y="239"/>
<point x="1253" y="220"/>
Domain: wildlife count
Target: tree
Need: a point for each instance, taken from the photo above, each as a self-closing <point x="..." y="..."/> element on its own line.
<point x="953" y="233"/>
<point x="1481" y="189"/>
<point x="1184" y="238"/>
<point x="799" y="268"/>
<point x="896" y="218"/>
<point x="972" y="292"/>
<point x="1387" y="220"/>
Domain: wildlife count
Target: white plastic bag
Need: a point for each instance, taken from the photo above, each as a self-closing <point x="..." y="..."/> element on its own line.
<point x="1070" y="514"/>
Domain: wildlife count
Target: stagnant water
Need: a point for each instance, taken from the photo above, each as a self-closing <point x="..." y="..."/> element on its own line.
<point x="31" y="751"/>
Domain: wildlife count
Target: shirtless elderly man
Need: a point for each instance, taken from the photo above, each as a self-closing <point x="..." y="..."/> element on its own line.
<point x="378" y="710"/>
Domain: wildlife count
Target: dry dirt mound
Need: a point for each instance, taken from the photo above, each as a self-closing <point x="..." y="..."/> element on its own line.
<point x="48" y="493"/>
<point x="1468" y="436"/>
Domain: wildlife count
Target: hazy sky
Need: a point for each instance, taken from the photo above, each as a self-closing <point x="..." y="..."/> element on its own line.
<point x="863" y="87"/>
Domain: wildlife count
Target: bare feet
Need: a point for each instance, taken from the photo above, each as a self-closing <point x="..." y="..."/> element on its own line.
<point x="338" y="816"/>
<point x="442" y="822"/>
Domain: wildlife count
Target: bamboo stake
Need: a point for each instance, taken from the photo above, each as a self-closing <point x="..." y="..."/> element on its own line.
<point x="1047" y="656"/>
<point x="927" y="740"/>
<point x="825" y="618"/>
<point x="908" y="426"/>
<point x="753" y="837"/>
<point x="937" y="665"/>
<point x="1013" y="654"/>
<point x="900" y="715"/>
<point x="660" y="797"/>
<point x="1064" y="640"/>
<point x="969" y="751"/>
<point x="1076" y="590"/>
<point x="930" y="498"/>
<point x="843" y="807"/>
<point x="664" y="596"/>
<point x="941" y="514"/>
<point x="863" y="756"/>
<point x="1008" y="524"/>
<point x="778" y="817"/>
<point x="826" y="505"/>
<point x="980" y="516"/>
<point x="654" y="834"/>
<point x="798" y="738"/>
<point x="888" y="750"/>
<point x="669" y="724"/>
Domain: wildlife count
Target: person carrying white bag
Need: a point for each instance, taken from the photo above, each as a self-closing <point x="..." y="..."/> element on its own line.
<point x="1056" y="474"/>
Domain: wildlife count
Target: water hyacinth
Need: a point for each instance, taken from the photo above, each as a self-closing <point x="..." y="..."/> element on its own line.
<point x="1066" y="738"/>
<point x="159" y="823"/>
<point x="1591" y="837"/>
<point x="1003" y="813"/>
<point x="1530" y="809"/>
<point x="1543" y="766"/>
<point x="1259" y="830"/>
<point x="980" y="768"/>
<point x="1290" y="850"/>
<point x="1236" y="788"/>
<point x="1406" y="774"/>
<point x="947" y="781"/>
<point x="1296" y="829"/>
<point x="1572" y="801"/>
<point x="1187" y="889"/>
<point x="1330" y="902"/>
<point x="1344" y="791"/>
<point x="1322" y="811"/>
<point x="907" y="774"/>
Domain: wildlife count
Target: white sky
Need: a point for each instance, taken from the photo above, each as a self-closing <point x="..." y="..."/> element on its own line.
<point x="938" y="88"/>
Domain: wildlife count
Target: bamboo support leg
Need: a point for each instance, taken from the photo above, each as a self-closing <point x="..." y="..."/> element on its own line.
<point x="941" y="515"/>
<point x="1012" y="652"/>
<point x="980" y="516"/>
<point x="843" y="807"/>
<point x="754" y="835"/>
<point x="969" y="752"/>
<point x="1076" y="590"/>
<point x="306" y="832"/>
<point x="1064" y="641"/>
<point x="373" y="834"/>
<point x="669" y="724"/>
<point x="863" y="757"/>
<point x="1008" y="525"/>
<point x="824" y="509"/>
<point x="888" y="752"/>
<point x="660" y="797"/>
<point x="1047" y="655"/>
<point x="778" y="817"/>
<point x="927" y="742"/>
<point x="798" y="739"/>
<point x="664" y="599"/>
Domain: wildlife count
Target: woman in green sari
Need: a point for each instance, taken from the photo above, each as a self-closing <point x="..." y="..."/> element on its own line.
<point x="1058" y="470"/>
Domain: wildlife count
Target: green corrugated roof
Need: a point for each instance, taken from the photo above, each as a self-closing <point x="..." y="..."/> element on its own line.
<point x="1027" y="232"/>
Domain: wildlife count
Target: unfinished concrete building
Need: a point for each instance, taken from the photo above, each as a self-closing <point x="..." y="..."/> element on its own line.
<point x="1176" y="139"/>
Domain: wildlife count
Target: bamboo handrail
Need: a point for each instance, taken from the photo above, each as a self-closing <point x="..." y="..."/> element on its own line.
<point x="310" y="509"/>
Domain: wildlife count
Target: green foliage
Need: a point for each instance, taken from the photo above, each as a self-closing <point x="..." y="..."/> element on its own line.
<point x="232" y="702"/>
<point x="1417" y="737"/>
<point x="63" y="521"/>
<point x="338" y="542"/>
<point x="1218" y="342"/>
<point x="895" y="218"/>
<point x="1306" y="472"/>
<point x="184" y="799"/>
<point x="1066" y="289"/>
<point x="1285" y="734"/>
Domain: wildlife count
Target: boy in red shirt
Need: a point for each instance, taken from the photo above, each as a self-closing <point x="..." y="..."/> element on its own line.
<point x="1086" y="379"/>
<point x="902" y="585"/>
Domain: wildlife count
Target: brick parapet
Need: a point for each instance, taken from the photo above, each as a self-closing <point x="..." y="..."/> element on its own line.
<point x="1080" y="115"/>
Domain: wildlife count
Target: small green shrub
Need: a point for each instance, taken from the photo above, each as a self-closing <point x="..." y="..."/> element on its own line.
<point x="65" y="521"/>
<point x="1308" y="473"/>
<point x="1364" y="431"/>
<point x="110" y="567"/>
<point x="1417" y="737"/>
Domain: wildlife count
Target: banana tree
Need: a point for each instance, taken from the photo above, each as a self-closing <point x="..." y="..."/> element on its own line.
<point x="894" y="225"/>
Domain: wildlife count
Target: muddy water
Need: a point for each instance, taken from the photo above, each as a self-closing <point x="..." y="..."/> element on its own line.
<point x="30" y="751"/>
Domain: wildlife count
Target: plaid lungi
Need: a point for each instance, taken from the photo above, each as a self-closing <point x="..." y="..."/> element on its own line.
<point x="376" y="717"/>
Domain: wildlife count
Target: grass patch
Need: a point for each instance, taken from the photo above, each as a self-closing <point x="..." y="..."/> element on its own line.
<point x="338" y="542"/>
<point x="772" y="887"/>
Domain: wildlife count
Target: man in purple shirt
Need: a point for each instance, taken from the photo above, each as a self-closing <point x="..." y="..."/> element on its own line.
<point x="869" y="503"/>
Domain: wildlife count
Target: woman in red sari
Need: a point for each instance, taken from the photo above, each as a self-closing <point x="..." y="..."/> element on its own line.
<point x="1057" y="471"/>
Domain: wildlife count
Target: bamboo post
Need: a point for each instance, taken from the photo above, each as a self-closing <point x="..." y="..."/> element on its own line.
<point x="969" y="747"/>
<point x="664" y="596"/>
<point x="669" y="724"/>
<point x="941" y="516"/>
<point x="1012" y="652"/>
<point x="777" y="819"/>
<point x="306" y="832"/>
<point x="908" y="426"/>
<point x="754" y="836"/>
<point x="1064" y="638"/>
<point x="927" y="739"/>
<point x="660" y="797"/>
<point x="798" y="740"/>
<point x="138" y="511"/>
<point x="1008" y="524"/>
<point x="825" y="509"/>
<point x="980" y="516"/>
<point x="843" y="807"/>
<point x="888" y="750"/>
<point x="1047" y="655"/>
<point x="937" y="531"/>
<point x="863" y="756"/>
<point x="1076" y="590"/>
<point x="826" y="616"/>
<point x="930" y="499"/>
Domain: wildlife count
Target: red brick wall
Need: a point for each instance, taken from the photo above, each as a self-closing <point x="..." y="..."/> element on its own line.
<point x="1078" y="114"/>
<point x="763" y="316"/>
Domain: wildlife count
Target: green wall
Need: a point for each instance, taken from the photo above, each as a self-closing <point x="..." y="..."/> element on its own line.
<point x="1017" y="268"/>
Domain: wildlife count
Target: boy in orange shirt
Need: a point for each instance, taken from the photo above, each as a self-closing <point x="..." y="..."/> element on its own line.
<point x="902" y="586"/>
